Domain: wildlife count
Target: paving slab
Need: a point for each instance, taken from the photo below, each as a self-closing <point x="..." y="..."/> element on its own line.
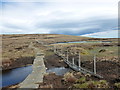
<point x="37" y="74"/>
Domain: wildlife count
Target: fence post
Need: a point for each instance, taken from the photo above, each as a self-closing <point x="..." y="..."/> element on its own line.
<point x="79" y="62"/>
<point x="61" y="50"/>
<point x="94" y="64"/>
<point x="73" y="60"/>
<point x="67" y="55"/>
<point x="54" y="49"/>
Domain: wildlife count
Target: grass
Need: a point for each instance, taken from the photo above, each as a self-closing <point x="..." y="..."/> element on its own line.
<point x="49" y="53"/>
<point x="16" y="54"/>
<point x="109" y="51"/>
<point x="81" y="80"/>
<point x="82" y="83"/>
<point x="117" y="85"/>
<point x="16" y="46"/>
<point x="69" y="77"/>
<point x="89" y="50"/>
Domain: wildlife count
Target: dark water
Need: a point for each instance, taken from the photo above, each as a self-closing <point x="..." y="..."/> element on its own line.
<point x="17" y="75"/>
<point x="59" y="70"/>
<point x="14" y="76"/>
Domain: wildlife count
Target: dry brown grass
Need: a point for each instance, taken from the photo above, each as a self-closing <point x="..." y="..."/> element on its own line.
<point x="69" y="77"/>
<point x="17" y="46"/>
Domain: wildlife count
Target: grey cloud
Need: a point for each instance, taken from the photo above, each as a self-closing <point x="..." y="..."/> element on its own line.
<point x="67" y="26"/>
<point x="73" y="32"/>
<point x="70" y="26"/>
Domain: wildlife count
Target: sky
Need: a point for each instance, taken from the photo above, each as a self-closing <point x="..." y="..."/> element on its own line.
<point x="91" y="18"/>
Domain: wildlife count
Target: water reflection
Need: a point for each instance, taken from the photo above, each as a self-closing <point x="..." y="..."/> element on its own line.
<point x="14" y="76"/>
<point x="85" y="42"/>
<point x="59" y="70"/>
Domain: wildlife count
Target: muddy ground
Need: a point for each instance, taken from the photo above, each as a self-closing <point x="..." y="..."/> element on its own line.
<point x="19" y="62"/>
<point x="23" y="56"/>
<point x="110" y="70"/>
<point x="54" y="61"/>
<point x="16" y="47"/>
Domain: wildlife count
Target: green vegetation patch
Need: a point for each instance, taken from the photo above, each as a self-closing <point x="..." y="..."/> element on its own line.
<point x="117" y="85"/>
<point x="81" y="80"/>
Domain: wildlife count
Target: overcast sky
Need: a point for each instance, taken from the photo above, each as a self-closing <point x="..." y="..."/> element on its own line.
<point x="93" y="18"/>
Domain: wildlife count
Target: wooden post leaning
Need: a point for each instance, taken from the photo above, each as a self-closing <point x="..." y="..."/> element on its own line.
<point x="94" y="64"/>
<point x="67" y="55"/>
<point x="79" y="61"/>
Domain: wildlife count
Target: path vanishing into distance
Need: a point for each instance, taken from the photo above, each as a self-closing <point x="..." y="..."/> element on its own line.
<point x="36" y="77"/>
<point x="39" y="69"/>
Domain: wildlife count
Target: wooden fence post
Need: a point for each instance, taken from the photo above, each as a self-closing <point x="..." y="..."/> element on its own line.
<point x="79" y="61"/>
<point x="67" y="55"/>
<point x="94" y="64"/>
<point x="61" y="50"/>
<point x="54" y="49"/>
<point x="73" y="60"/>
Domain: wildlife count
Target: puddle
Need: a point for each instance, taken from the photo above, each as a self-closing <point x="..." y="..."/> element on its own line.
<point x="84" y="42"/>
